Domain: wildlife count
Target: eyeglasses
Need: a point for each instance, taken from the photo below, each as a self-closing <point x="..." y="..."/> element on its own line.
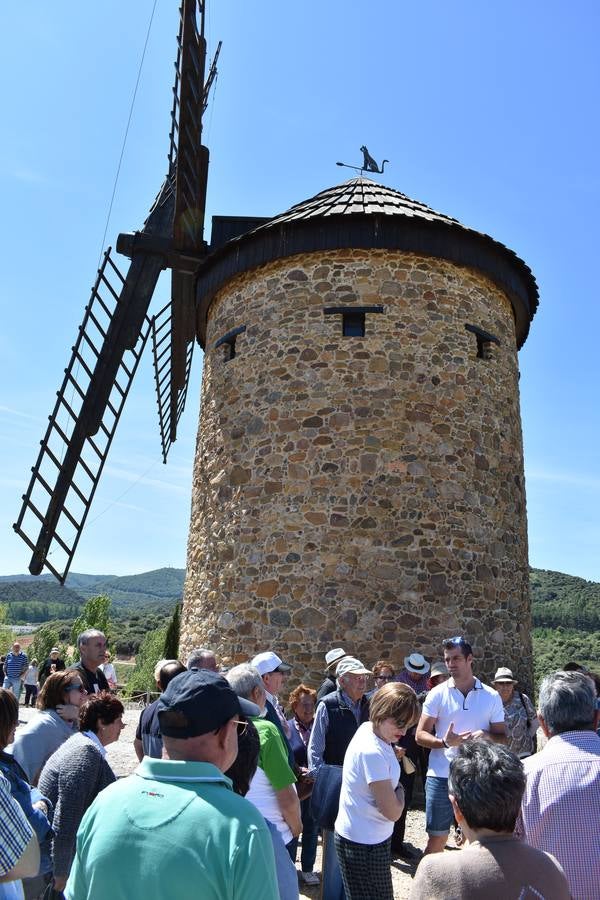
<point x="76" y="687"/>
<point x="384" y="678"/>
<point x="241" y="727"/>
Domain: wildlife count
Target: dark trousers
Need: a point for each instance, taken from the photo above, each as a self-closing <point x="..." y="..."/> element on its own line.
<point x="365" y="869"/>
<point x="408" y="783"/>
<point x="30" y="694"/>
<point x="310" y="836"/>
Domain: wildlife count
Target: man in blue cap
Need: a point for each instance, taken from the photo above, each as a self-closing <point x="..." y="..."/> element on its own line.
<point x="175" y="828"/>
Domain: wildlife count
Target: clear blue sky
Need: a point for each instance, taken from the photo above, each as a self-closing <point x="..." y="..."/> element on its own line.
<point x="487" y="112"/>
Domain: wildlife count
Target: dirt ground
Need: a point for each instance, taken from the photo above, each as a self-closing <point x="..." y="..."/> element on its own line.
<point x="123" y="760"/>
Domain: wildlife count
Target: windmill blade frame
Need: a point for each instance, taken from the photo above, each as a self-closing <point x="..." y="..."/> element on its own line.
<point x="116" y="327"/>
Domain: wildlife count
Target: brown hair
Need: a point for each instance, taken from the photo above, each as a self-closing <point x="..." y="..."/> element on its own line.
<point x="9" y="715"/>
<point x="382" y="664"/>
<point x="102" y="707"/>
<point x="51" y="694"/>
<point x="297" y="693"/>
<point x="394" y="701"/>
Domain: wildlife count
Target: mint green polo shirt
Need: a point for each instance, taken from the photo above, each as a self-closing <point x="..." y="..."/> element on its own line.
<point x="173" y="830"/>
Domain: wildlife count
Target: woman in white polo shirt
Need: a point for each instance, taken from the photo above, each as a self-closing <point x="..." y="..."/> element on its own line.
<point x="371" y="798"/>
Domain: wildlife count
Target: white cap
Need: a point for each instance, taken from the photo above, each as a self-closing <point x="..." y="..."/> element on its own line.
<point x="269" y="662"/>
<point x="351" y="665"/>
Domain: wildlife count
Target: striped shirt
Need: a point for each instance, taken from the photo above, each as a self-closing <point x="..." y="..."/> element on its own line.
<point x="561" y="807"/>
<point x="15" y="830"/>
<point x="15" y="664"/>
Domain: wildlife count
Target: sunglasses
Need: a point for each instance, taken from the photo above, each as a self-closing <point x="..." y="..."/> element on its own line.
<point x="455" y="640"/>
<point x="241" y="727"/>
<point x="76" y="687"/>
<point x="384" y="678"/>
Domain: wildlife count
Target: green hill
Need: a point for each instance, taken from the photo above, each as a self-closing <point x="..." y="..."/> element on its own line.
<point x="566" y="609"/>
<point x="31" y="599"/>
<point x="566" y="619"/>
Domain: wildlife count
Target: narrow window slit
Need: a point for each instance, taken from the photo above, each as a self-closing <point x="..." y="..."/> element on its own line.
<point x="485" y="340"/>
<point x="229" y="339"/>
<point x="353" y="318"/>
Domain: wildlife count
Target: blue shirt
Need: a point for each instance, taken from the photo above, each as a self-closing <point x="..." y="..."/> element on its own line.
<point x="15" y="830"/>
<point x="15" y="664"/>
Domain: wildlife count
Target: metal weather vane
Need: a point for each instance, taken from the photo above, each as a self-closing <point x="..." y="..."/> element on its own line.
<point x="369" y="164"/>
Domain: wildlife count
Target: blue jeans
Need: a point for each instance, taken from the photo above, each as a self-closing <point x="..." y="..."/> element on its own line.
<point x="331" y="876"/>
<point x="438" y="809"/>
<point x="14" y="685"/>
<point x="310" y="836"/>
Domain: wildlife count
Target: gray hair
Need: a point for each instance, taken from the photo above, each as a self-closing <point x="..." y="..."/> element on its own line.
<point x="487" y="781"/>
<point x="243" y="679"/>
<point x="86" y="635"/>
<point x="568" y="702"/>
<point x="199" y="657"/>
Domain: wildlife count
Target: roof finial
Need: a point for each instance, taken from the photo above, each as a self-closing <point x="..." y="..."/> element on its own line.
<point x="369" y="164"/>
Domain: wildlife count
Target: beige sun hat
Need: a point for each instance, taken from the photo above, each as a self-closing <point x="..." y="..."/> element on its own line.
<point x="332" y="657"/>
<point x="504" y="675"/>
<point x="439" y="668"/>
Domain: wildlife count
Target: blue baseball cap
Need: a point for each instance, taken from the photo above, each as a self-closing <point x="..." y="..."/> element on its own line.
<point x="199" y="701"/>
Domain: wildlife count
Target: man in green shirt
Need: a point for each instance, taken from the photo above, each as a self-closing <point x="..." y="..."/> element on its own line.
<point x="175" y="828"/>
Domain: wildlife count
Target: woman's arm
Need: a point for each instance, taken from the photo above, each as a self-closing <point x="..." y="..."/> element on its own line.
<point x="388" y="801"/>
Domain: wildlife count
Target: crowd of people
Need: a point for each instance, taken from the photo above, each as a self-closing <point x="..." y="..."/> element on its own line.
<point x="241" y="775"/>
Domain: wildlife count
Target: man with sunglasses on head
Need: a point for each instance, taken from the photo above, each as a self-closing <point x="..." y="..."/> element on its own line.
<point x="175" y="829"/>
<point x="458" y="710"/>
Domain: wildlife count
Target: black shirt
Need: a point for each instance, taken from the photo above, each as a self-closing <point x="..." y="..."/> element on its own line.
<point x="59" y="665"/>
<point x="93" y="682"/>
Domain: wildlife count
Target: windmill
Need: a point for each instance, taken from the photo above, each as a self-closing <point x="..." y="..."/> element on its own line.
<point x="116" y="326"/>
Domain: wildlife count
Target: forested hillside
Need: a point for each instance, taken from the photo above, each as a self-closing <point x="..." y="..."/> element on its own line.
<point x="41" y="599"/>
<point x="566" y="609"/>
<point x="566" y="619"/>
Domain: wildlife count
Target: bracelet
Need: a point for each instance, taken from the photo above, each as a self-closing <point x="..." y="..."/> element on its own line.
<point x="445" y="744"/>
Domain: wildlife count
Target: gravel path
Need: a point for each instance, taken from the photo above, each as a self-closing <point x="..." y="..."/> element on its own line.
<point x="123" y="760"/>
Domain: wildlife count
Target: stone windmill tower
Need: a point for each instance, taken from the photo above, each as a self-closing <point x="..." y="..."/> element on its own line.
<point x="359" y="468"/>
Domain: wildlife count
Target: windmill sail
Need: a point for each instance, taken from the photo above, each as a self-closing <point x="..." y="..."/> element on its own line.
<point x="189" y="158"/>
<point x="116" y="326"/>
<point x="161" y="350"/>
<point x="84" y="420"/>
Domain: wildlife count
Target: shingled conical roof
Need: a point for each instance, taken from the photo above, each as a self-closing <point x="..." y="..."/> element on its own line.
<point x="359" y="196"/>
<point x="360" y="213"/>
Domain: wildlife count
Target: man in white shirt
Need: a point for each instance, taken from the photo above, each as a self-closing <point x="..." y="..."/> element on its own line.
<point x="458" y="710"/>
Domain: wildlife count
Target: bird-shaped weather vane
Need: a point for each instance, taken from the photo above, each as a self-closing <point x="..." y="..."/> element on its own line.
<point x="369" y="164"/>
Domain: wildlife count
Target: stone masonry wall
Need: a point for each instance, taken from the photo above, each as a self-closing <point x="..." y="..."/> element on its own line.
<point x="359" y="492"/>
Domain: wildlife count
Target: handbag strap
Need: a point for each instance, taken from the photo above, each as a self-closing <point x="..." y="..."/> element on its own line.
<point x="525" y="708"/>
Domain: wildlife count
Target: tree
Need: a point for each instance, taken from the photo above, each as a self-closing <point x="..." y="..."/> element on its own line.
<point x="6" y="633"/>
<point x="172" y="638"/>
<point x="96" y="614"/>
<point x="44" y="640"/>
<point x="151" y="650"/>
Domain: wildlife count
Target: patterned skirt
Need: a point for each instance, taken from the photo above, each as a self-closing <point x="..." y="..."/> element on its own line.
<point x="365" y="868"/>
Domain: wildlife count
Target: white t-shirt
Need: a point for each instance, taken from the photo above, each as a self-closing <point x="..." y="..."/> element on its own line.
<point x="445" y="703"/>
<point x="262" y="795"/>
<point x="367" y="759"/>
<point x="109" y="672"/>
